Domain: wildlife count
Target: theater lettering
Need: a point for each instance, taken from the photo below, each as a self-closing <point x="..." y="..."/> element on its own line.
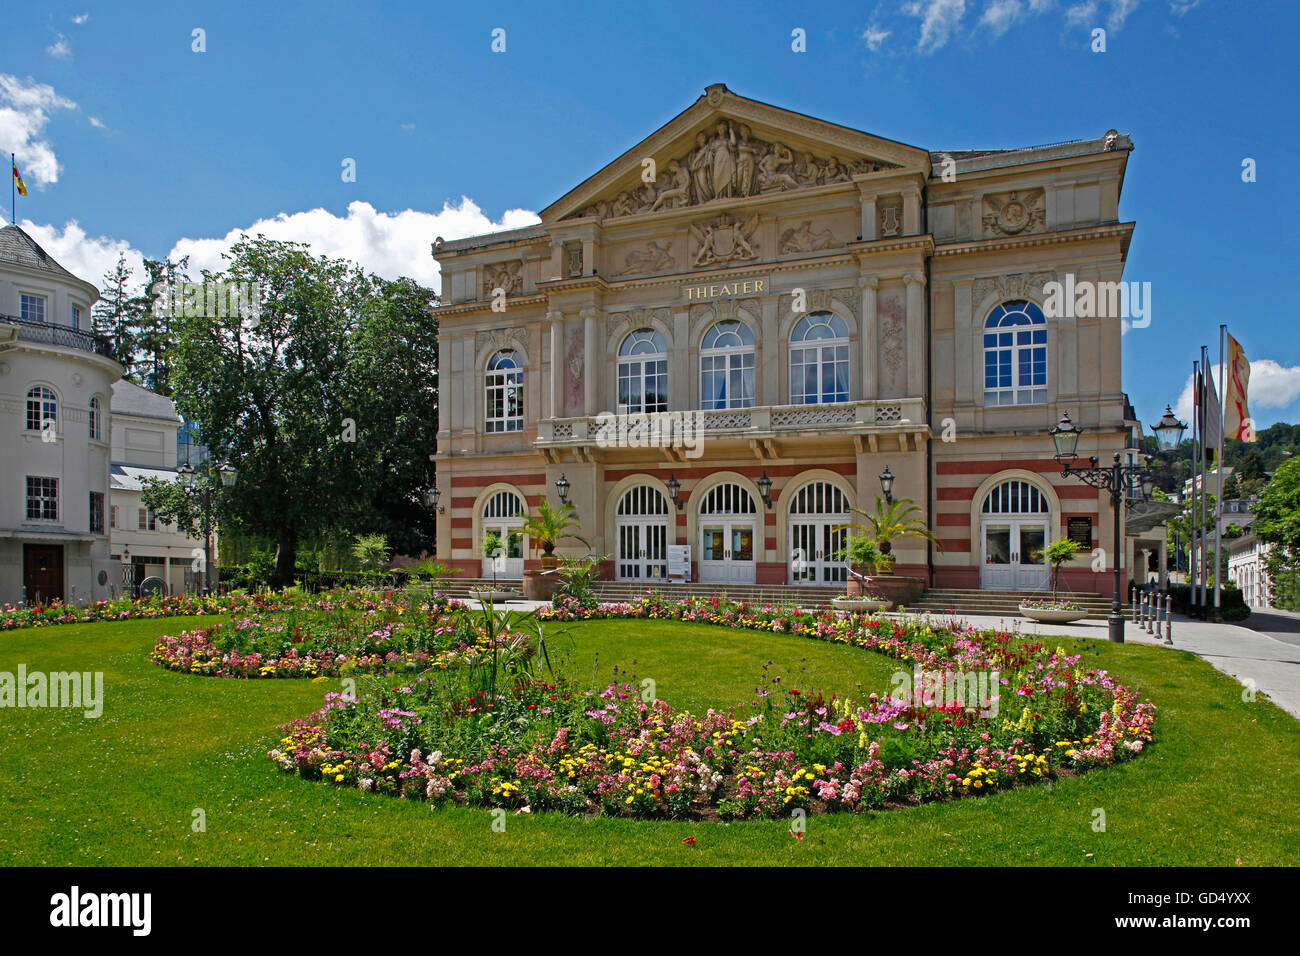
<point x="721" y="290"/>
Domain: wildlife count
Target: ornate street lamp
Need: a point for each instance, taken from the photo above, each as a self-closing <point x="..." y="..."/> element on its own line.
<point x="431" y="499"/>
<point x="228" y="474"/>
<point x="887" y="484"/>
<point x="562" y="486"/>
<point x="765" y="489"/>
<point x="1117" y="481"/>
<point x="186" y="475"/>
<point x="1169" y="430"/>
<point x="674" y="489"/>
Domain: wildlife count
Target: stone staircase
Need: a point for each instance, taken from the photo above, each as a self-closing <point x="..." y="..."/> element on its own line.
<point x="937" y="601"/>
<point x="1000" y="603"/>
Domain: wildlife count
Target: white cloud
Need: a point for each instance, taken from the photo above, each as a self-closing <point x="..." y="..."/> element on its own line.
<point x="1180" y="8"/>
<point x="1272" y="385"/>
<point x="96" y="122"/>
<point x="25" y="108"/>
<point x="59" y="49"/>
<point x="939" y="18"/>
<point x="875" y="37"/>
<point x="1119" y="11"/>
<point x="86" y="257"/>
<point x="80" y="18"/>
<point x="1000" y="15"/>
<point x="1081" y="13"/>
<point x="387" y="244"/>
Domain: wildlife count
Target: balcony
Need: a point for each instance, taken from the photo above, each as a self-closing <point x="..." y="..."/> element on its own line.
<point x="764" y="428"/>
<point x="49" y="333"/>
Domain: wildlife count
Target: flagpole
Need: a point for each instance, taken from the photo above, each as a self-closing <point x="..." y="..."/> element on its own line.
<point x="13" y="190"/>
<point x="1218" y="472"/>
<point x="1205" y="480"/>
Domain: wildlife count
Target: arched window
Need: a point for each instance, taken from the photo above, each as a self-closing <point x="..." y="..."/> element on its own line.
<point x="643" y="372"/>
<point x="504" y="392"/>
<point x="727" y="366"/>
<point x="641" y="527"/>
<point x="727" y="499"/>
<point x="1015" y="355"/>
<point x="96" y="420"/>
<point x="1015" y="497"/>
<point x="819" y="360"/>
<point x="42" y="408"/>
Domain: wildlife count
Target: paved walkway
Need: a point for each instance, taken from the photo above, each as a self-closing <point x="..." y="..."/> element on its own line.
<point x="1276" y="623"/>
<point x="1272" y="663"/>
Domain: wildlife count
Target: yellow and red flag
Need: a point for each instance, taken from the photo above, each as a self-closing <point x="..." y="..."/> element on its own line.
<point x="18" y="180"/>
<point x="1236" y="418"/>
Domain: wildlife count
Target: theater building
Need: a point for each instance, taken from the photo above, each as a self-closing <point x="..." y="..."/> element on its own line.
<point x="778" y="309"/>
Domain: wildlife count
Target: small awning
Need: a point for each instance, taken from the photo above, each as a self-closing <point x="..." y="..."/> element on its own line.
<point x="1142" y="516"/>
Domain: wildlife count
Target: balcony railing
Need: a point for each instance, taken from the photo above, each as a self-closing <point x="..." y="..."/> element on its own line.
<point x="762" y="421"/>
<point x="50" y="333"/>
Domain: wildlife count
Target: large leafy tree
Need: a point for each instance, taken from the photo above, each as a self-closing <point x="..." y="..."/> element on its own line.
<point x="322" y="399"/>
<point x="1277" y="521"/>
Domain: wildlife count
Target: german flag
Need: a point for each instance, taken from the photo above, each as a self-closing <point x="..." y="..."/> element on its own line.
<point x="18" y="180"/>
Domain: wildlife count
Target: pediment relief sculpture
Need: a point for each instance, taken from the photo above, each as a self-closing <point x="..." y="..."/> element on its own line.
<point x="1020" y="285"/>
<point x="507" y="276"/>
<point x="729" y="162"/>
<point x="655" y="257"/>
<point x="497" y="339"/>
<point x="724" y="240"/>
<point x="1013" y="213"/>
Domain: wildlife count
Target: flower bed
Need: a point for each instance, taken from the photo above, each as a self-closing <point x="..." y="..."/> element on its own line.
<point x="338" y="633"/>
<point x="1050" y="604"/>
<point x="532" y="740"/>
<point x="123" y="609"/>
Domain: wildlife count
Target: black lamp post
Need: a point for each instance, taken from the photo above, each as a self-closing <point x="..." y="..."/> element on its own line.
<point x="431" y="499"/>
<point x="887" y="484"/>
<point x="674" y="490"/>
<point x="765" y="489"/>
<point x="1117" y="480"/>
<point x="204" y="481"/>
<point x="562" y="488"/>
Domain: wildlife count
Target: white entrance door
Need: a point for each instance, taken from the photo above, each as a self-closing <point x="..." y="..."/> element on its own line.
<point x="503" y="516"/>
<point x="641" y="526"/>
<point x="1012" y="554"/>
<point x="727" y="552"/>
<point x="818" y="512"/>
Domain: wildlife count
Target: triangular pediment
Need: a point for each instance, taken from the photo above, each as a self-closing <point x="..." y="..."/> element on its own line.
<point x="726" y="146"/>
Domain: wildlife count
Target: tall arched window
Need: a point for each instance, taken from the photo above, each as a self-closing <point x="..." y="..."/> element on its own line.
<point x="643" y="372"/>
<point x="727" y="366"/>
<point x="504" y="392"/>
<point x="1015" y="355"/>
<point x="96" y="420"/>
<point x="819" y="360"/>
<point x="42" y="408"/>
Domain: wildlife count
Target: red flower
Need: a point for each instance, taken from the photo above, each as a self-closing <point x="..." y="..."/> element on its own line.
<point x="689" y="841"/>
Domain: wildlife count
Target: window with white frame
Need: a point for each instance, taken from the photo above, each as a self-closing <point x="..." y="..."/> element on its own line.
<point x="819" y="360"/>
<point x="1015" y="355"/>
<point x="31" y="307"/>
<point x="112" y="516"/>
<point x="727" y="366"/>
<point x="42" y="408"/>
<point x="96" y="420"/>
<point x="76" y="317"/>
<point x="147" y="520"/>
<point x="643" y="372"/>
<point x="504" y="392"/>
<point x="42" y="498"/>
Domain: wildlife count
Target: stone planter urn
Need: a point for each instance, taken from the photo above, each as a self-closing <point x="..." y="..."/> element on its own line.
<point x="495" y="595"/>
<point x="541" y="586"/>
<point x="859" y="604"/>
<point x="1053" y="615"/>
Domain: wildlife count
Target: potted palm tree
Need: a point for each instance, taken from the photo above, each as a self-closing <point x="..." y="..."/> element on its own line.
<point x="890" y="520"/>
<point x="549" y="526"/>
<point x="860" y="554"/>
<point x="1055" y="611"/>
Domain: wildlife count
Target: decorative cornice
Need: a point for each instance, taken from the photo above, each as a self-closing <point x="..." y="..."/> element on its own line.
<point x="1120" y="230"/>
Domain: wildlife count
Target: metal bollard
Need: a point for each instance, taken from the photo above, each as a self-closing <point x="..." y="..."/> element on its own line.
<point x="1133" y="604"/>
<point x="1153" y="618"/>
<point x="1169" y="619"/>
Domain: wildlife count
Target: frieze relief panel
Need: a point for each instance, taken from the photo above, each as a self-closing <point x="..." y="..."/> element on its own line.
<point x="893" y="338"/>
<point x="723" y="240"/>
<point x="729" y="162"/>
<point x="495" y="340"/>
<point x="889" y="217"/>
<point x="806" y="238"/>
<point x="1015" y="213"/>
<point x="622" y="323"/>
<point x="507" y="276"/>
<point x="654" y="256"/>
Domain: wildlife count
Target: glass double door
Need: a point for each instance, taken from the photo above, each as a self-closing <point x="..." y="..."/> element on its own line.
<point x="642" y="550"/>
<point x="1012" y="554"/>
<point x="813" y="546"/>
<point x="727" y="551"/>
<point x="508" y="561"/>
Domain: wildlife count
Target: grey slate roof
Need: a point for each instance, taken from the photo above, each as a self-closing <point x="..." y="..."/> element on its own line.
<point x="17" y="246"/>
<point x="129" y="398"/>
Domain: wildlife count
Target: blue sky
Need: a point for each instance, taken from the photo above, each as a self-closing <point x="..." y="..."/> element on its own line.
<point x="130" y="139"/>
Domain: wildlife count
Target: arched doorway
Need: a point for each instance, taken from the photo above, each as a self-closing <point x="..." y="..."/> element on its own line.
<point x="1015" y="527"/>
<point x="728" y="523"/>
<point x="818" y="511"/>
<point x="503" y="516"/>
<point x="641" y="527"/>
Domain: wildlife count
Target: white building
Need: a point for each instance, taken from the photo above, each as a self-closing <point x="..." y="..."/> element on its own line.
<point x="1247" y="569"/>
<point x="55" y="381"/>
<point x="144" y="429"/>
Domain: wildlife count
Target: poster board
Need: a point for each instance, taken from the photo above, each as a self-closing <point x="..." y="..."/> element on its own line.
<point x="679" y="563"/>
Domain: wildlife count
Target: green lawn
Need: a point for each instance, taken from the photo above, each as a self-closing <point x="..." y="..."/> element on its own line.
<point x="1220" y="783"/>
